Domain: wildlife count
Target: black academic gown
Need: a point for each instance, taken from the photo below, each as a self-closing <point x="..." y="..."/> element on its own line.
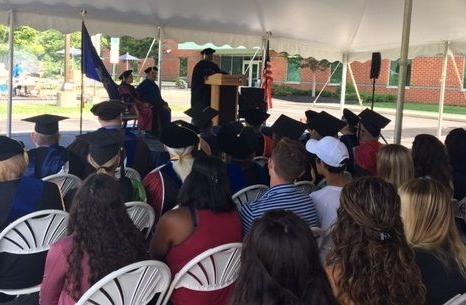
<point x="149" y="92"/>
<point x="18" y="198"/>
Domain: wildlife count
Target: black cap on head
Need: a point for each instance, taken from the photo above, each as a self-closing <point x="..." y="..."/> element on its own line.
<point x="256" y="116"/>
<point x="285" y="126"/>
<point x="125" y="74"/>
<point x="9" y="148"/>
<point x="108" y="111"/>
<point x="326" y="124"/>
<point x="147" y="70"/>
<point x="187" y="125"/>
<point x="310" y="114"/>
<point x="351" y="118"/>
<point x="237" y="140"/>
<point x="104" y="144"/>
<point x="46" y="124"/>
<point x="179" y="135"/>
<point x="208" y="51"/>
<point x="373" y="122"/>
<point x="202" y="116"/>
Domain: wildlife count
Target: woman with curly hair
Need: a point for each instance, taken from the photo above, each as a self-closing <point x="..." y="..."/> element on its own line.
<point x="280" y="264"/>
<point x="430" y="228"/>
<point x="371" y="262"/>
<point x="431" y="159"/>
<point x="102" y="239"/>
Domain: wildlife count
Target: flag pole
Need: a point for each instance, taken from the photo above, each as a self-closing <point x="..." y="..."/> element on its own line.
<point x="81" y="106"/>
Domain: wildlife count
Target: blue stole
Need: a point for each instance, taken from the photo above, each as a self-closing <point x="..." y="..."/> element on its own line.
<point x="237" y="177"/>
<point x="130" y="148"/>
<point x="27" y="197"/>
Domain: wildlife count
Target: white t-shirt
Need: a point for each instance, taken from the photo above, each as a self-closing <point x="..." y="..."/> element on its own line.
<point x="327" y="202"/>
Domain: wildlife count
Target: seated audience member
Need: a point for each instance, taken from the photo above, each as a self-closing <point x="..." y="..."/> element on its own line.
<point x="371" y="262"/>
<point x="370" y="125"/>
<point x="395" y="164"/>
<point x="238" y="143"/>
<point x="105" y="154"/>
<point x="102" y="238"/>
<point x="280" y="265"/>
<point x="207" y="218"/>
<point x="430" y="228"/>
<point x="285" y="165"/>
<point x="255" y="118"/>
<point x="48" y="157"/>
<point x="349" y="135"/>
<point x="207" y="133"/>
<point x="331" y="160"/>
<point x="431" y="159"/>
<point x="20" y="196"/>
<point x="286" y="127"/>
<point x="456" y="147"/>
<point x="137" y="153"/>
<point x="323" y="124"/>
<point x="163" y="183"/>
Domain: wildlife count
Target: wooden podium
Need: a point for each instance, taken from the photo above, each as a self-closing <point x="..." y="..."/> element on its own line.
<point x="224" y="96"/>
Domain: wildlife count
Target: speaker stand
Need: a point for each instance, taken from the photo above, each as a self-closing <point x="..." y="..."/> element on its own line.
<point x="373" y="93"/>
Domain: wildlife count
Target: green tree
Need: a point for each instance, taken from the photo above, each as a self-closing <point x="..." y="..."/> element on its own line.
<point x="314" y="65"/>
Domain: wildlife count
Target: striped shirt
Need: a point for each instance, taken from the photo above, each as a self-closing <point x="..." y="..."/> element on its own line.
<point x="280" y="197"/>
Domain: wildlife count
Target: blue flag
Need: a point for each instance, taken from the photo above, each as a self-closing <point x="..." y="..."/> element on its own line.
<point x="94" y="68"/>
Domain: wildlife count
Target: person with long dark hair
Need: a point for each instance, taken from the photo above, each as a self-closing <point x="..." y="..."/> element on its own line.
<point x="371" y="262"/>
<point x="102" y="239"/>
<point x="280" y="265"/>
<point x="207" y="218"/>
<point x="456" y="148"/>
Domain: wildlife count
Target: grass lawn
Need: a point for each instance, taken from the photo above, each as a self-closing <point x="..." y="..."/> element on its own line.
<point x="423" y="107"/>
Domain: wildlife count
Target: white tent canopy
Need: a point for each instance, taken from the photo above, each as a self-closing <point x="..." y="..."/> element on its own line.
<point x="318" y="28"/>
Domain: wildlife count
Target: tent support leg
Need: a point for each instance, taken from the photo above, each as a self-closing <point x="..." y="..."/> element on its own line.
<point x="355" y="84"/>
<point x="343" y="83"/>
<point x="408" y="9"/>
<point x="457" y="72"/>
<point x="326" y="83"/>
<point x="159" y="64"/>
<point x="9" y="107"/>
<point x="442" y="88"/>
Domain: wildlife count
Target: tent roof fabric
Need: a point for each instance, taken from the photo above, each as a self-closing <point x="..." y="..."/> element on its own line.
<point x="318" y="28"/>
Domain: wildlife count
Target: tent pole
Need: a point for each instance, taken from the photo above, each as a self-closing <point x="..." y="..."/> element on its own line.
<point x="159" y="64"/>
<point x="343" y="83"/>
<point x="408" y="9"/>
<point x="442" y="88"/>
<point x="354" y="83"/>
<point x="264" y="46"/>
<point x="11" y="39"/>
<point x="147" y="55"/>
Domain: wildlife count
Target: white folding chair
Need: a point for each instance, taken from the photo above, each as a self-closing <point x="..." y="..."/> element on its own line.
<point x="135" y="284"/>
<point x="306" y="187"/>
<point x="129" y="172"/>
<point x="65" y="182"/>
<point x="459" y="299"/>
<point x="142" y="215"/>
<point x="261" y="160"/>
<point x="211" y="270"/>
<point x="249" y="194"/>
<point x="460" y="208"/>
<point x="33" y="233"/>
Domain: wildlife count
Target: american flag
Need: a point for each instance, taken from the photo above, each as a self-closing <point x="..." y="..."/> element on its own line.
<point x="267" y="79"/>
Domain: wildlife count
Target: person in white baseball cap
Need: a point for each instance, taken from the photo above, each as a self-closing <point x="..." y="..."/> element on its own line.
<point x="332" y="156"/>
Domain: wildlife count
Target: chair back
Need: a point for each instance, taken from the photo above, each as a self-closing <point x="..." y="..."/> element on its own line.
<point x="129" y="172"/>
<point x="135" y="284"/>
<point x="65" y="182"/>
<point x="34" y="232"/>
<point x="306" y="187"/>
<point x="142" y="215"/>
<point x="459" y="299"/>
<point x="249" y="194"/>
<point x="211" y="270"/>
<point x="261" y="160"/>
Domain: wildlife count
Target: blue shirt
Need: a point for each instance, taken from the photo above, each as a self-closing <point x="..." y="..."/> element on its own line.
<point x="280" y="197"/>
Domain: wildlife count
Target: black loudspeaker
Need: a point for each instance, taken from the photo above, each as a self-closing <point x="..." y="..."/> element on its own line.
<point x="375" y="65"/>
<point x="251" y="97"/>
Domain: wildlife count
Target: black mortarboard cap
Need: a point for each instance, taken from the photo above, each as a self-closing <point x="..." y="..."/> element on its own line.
<point x="107" y="111"/>
<point x="208" y="51"/>
<point x="176" y="135"/>
<point x="373" y="122"/>
<point x="310" y="114"/>
<point x="104" y="144"/>
<point x="285" y="126"/>
<point x="202" y="116"/>
<point x="326" y="124"/>
<point x="46" y="124"/>
<point x="187" y="125"/>
<point x="147" y="70"/>
<point x="125" y="74"/>
<point x="256" y="116"/>
<point x="237" y="140"/>
<point x="9" y="148"/>
<point x="351" y="118"/>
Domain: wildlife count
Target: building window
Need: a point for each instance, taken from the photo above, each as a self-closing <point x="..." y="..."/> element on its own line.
<point x="294" y="70"/>
<point x="335" y="79"/>
<point x="395" y="73"/>
<point x="237" y="65"/>
<point x="183" y="67"/>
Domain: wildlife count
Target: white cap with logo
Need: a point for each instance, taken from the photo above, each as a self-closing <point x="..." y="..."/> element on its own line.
<point x="330" y="150"/>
